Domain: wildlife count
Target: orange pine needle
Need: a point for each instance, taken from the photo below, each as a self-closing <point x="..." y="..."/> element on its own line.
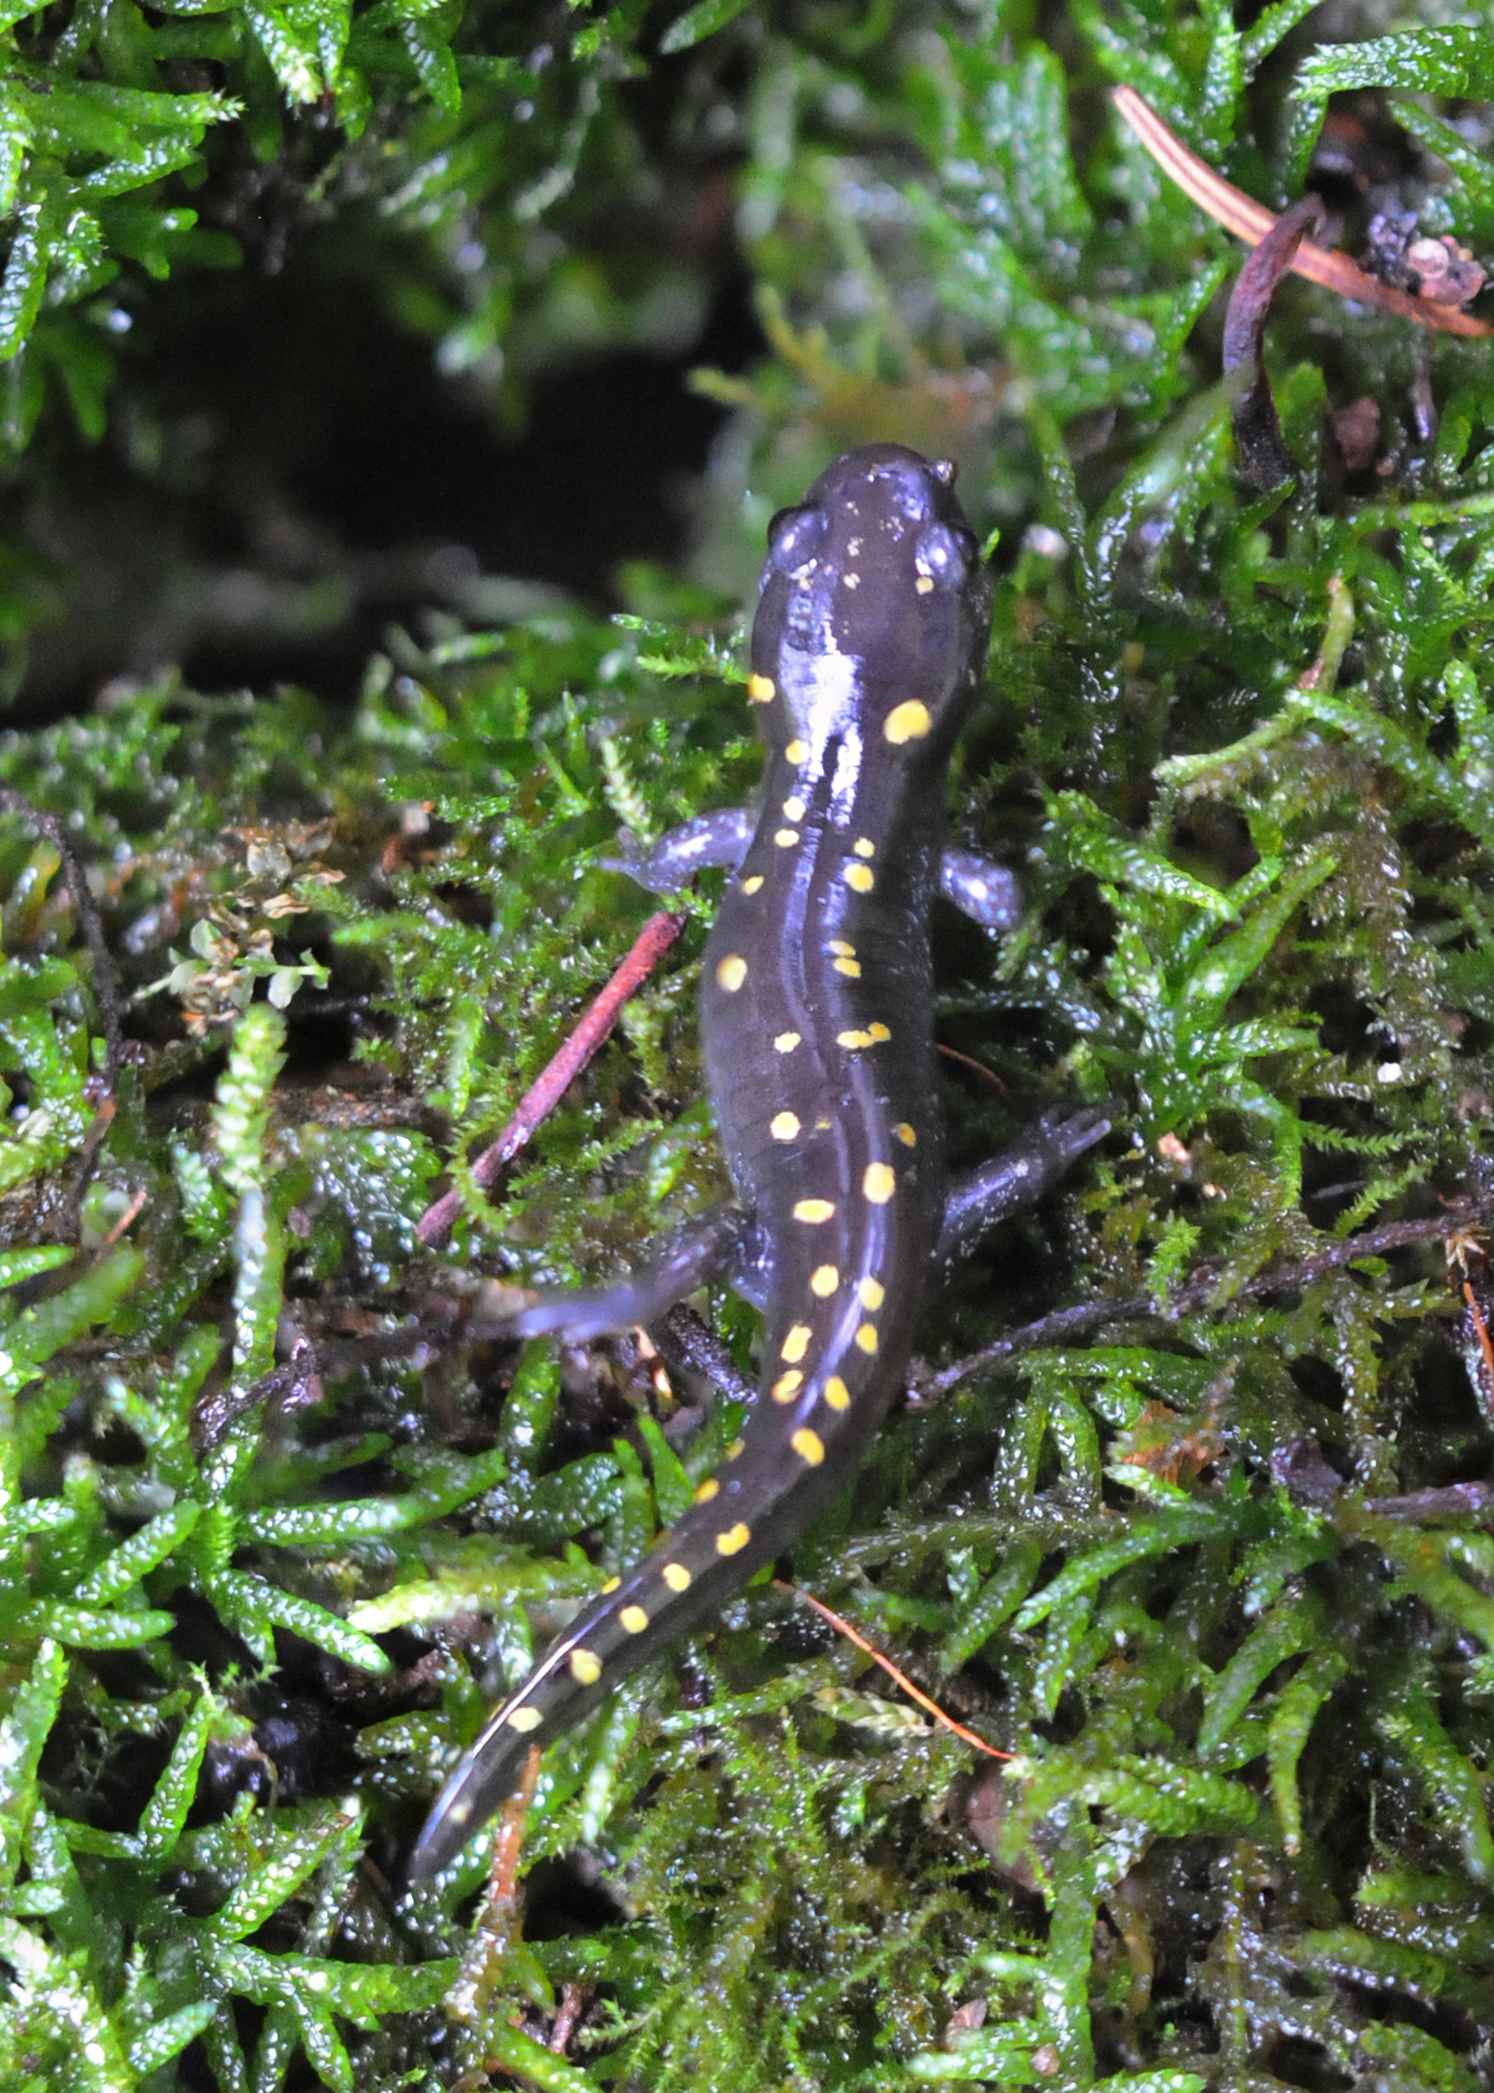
<point x="503" y="1876"/>
<point x="1251" y="221"/>
<point x="130" y="1213"/>
<point x="916" y="1693"/>
<point x="1476" y="1317"/>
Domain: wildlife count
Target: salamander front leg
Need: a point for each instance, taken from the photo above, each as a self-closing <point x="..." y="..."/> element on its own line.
<point x="981" y="889"/>
<point x="711" y="839"/>
<point x="1016" y="1178"/>
<point x="687" y="1260"/>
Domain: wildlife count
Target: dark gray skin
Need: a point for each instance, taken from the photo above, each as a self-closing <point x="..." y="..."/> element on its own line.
<point x="817" y="1021"/>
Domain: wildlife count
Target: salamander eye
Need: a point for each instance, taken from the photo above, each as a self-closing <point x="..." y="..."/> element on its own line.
<point x="794" y="536"/>
<point x="944" y="555"/>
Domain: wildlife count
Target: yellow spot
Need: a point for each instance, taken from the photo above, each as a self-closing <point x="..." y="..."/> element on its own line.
<point x="734" y="1451"/>
<point x="797" y="750"/>
<point x="676" y="1576"/>
<point x="586" y="1669"/>
<point x="731" y="972"/>
<point x="796" y="1344"/>
<point x="709" y="1488"/>
<point x="851" y="968"/>
<point x="793" y="807"/>
<point x="839" y="945"/>
<point x="924" y="584"/>
<point x="785" y="1042"/>
<point x="879" y="1032"/>
<point x="814" y="1211"/>
<point x="734" y="1540"/>
<point x="878" y="1183"/>
<point x="905" y="1134"/>
<point x="866" y="1338"/>
<point x="524" y="1720"/>
<point x="852" y="581"/>
<point x="785" y="838"/>
<point x="634" y="1619"/>
<point x="761" y="690"/>
<point x="837" y="1395"/>
<point x="858" y="878"/>
<point x="613" y="1584"/>
<point x="787" y="1386"/>
<point x="753" y="884"/>
<point x="823" y="1281"/>
<point x="864" y="847"/>
<point x="784" y="1126"/>
<point x="854" y="1039"/>
<point x="871" y="1293"/>
<point x="809" y="1446"/>
<point x="909" y="721"/>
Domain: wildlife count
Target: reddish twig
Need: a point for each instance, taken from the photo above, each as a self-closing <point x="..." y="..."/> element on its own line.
<point x="843" y="1627"/>
<point x="124" y="1221"/>
<point x="508" y="1840"/>
<point x="1251" y="221"/>
<point x="1481" y="1332"/>
<point x="498" y="1921"/>
<point x="568" y="2013"/>
<point x="545" y="1093"/>
<point x="987" y="1075"/>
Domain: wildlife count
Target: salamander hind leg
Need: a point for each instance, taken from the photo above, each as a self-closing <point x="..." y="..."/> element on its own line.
<point x="687" y="1261"/>
<point x="1016" y="1178"/>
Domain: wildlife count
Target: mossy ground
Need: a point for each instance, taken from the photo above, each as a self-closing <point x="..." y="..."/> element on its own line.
<point x="1215" y="1565"/>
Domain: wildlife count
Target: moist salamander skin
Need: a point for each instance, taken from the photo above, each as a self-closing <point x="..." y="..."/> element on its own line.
<point x="817" y="1023"/>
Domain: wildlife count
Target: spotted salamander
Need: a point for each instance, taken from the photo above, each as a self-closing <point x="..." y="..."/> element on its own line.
<point x="818" y="1035"/>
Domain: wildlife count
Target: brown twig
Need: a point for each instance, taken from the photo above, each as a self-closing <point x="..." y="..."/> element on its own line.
<point x="125" y="1220"/>
<point x="1481" y="1329"/>
<point x="916" y="1693"/>
<point x="550" y="1086"/>
<point x="508" y="1839"/>
<point x="1250" y="221"/>
<point x="497" y="1924"/>
<point x="987" y="1075"/>
<point x="1198" y="1294"/>
<point x="573" y="1998"/>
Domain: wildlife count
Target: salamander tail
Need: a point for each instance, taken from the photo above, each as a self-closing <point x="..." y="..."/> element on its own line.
<point x="726" y="1536"/>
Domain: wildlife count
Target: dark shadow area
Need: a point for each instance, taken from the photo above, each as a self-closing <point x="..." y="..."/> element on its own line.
<point x="291" y="473"/>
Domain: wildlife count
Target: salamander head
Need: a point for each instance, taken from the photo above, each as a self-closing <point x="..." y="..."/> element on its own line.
<point x="875" y="608"/>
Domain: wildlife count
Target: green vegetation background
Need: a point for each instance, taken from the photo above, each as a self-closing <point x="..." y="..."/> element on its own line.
<point x="1218" y="1573"/>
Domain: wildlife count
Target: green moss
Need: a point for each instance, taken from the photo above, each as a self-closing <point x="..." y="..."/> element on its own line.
<point x="1214" y="1570"/>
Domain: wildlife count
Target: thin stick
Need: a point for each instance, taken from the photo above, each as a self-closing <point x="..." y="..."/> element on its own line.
<point x="550" y="1086"/>
<point x="501" y="1915"/>
<point x="987" y="1075"/>
<point x="126" y="1218"/>
<point x="508" y="1841"/>
<point x="1068" y="1323"/>
<point x="843" y="1627"/>
<point x="1251" y="221"/>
